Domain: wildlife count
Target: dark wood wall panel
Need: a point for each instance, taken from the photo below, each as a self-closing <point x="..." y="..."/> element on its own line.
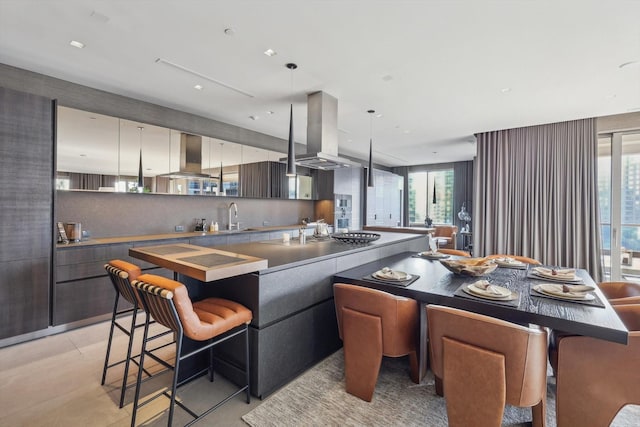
<point x="26" y="206"/>
<point x="26" y="171"/>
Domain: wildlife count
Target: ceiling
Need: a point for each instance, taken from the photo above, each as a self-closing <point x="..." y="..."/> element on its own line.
<point x="436" y="71"/>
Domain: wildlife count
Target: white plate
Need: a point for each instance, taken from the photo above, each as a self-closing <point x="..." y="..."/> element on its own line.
<point x="431" y="255"/>
<point x="511" y="264"/>
<point x="396" y="276"/>
<point x="505" y="294"/>
<point x="555" y="278"/>
<point x="554" y="290"/>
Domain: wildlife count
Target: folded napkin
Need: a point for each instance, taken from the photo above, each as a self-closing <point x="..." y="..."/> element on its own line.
<point x="388" y="273"/>
<point x="569" y="290"/>
<point x="567" y="273"/>
<point x="508" y="260"/>
<point x="487" y="287"/>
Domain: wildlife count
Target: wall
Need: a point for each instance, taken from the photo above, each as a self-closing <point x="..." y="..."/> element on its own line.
<point x="618" y="122"/>
<point x="124" y="214"/>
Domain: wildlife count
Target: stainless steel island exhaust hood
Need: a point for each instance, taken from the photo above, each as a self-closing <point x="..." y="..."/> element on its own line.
<point x="190" y="158"/>
<point x="322" y="135"/>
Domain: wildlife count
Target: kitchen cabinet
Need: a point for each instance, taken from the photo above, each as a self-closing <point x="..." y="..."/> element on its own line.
<point x="83" y="292"/>
<point x="26" y="206"/>
<point x="384" y="199"/>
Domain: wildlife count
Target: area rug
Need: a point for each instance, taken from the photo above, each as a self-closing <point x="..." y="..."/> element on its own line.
<point x="317" y="398"/>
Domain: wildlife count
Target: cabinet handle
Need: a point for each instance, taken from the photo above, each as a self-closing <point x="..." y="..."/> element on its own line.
<point x="389" y="216"/>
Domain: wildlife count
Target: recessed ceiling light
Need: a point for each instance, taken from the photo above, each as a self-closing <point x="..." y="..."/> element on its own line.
<point x="387" y="78"/>
<point x="83" y="155"/>
<point x="505" y="90"/>
<point x="270" y="52"/>
<point x="229" y="31"/>
<point x="406" y="131"/>
<point x="148" y="169"/>
<point x="626" y="64"/>
<point x="77" y="44"/>
<point x="198" y="87"/>
<point x="378" y="115"/>
<point x="270" y="112"/>
<point x="254" y="117"/>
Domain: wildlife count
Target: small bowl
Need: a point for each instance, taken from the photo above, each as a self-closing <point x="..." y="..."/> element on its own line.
<point x="469" y="267"/>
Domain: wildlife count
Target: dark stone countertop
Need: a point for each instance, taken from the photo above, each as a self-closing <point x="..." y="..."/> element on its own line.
<point x="286" y="255"/>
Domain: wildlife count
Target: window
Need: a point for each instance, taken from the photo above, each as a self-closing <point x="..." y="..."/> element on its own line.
<point x="421" y="196"/>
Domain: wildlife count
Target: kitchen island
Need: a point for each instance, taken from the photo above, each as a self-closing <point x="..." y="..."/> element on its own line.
<point x="294" y="323"/>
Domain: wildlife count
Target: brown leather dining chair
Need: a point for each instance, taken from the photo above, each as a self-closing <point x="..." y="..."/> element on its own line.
<point x="520" y="258"/>
<point x="621" y="292"/>
<point x="596" y="378"/>
<point x="446" y="235"/>
<point x="212" y="320"/>
<point x="457" y="252"/>
<point x="372" y="324"/>
<point x="486" y="363"/>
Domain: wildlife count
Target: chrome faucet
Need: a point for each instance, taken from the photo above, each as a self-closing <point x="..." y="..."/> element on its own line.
<point x="231" y="225"/>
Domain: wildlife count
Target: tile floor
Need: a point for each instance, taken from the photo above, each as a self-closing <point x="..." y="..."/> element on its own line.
<point x="55" y="381"/>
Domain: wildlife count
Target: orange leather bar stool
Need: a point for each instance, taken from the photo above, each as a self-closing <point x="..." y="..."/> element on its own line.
<point x="520" y="258"/>
<point x="621" y="292"/>
<point x="371" y="324"/>
<point x="486" y="363"/>
<point x="121" y="274"/>
<point x="214" y="320"/>
<point x="457" y="252"/>
<point x="596" y="378"/>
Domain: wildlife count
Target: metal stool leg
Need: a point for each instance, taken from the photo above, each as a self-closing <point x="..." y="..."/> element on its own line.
<point x="106" y="358"/>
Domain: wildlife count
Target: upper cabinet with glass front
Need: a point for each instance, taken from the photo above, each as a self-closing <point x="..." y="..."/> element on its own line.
<point x="103" y="153"/>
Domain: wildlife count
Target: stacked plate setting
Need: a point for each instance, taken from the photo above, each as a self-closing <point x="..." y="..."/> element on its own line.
<point x="484" y="289"/>
<point x="566" y="275"/>
<point x="392" y="275"/>
<point x="433" y="255"/>
<point x="571" y="292"/>
<point x="507" y="262"/>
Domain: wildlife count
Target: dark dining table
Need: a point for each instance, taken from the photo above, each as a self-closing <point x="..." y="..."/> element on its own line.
<point x="437" y="285"/>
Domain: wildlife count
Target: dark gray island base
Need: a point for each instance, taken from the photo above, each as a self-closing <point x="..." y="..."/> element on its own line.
<point x="294" y="322"/>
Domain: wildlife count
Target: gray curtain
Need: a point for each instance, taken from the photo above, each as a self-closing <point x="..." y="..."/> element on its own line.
<point x="536" y="194"/>
<point x="462" y="194"/>
<point x="90" y="181"/>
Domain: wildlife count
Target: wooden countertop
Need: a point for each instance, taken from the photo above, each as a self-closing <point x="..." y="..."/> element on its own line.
<point x="168" y="236"/>
<point x="205" y="264"/>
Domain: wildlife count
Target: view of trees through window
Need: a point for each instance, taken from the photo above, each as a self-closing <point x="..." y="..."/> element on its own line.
<point x="421" y="196"/>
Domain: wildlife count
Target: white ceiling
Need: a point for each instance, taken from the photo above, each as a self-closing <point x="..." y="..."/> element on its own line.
<point x="437" y="71"/>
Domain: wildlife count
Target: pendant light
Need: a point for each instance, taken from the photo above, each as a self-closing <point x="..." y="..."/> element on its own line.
<point x="140" y="176"/>
<point x="220" y="182"/>
<point x="370" y="171"/>
<point x="291" y="153"/>
<point x="434" y="191"/>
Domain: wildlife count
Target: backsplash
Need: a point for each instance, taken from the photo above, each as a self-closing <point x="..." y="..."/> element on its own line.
<point x="122" y="214"/>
